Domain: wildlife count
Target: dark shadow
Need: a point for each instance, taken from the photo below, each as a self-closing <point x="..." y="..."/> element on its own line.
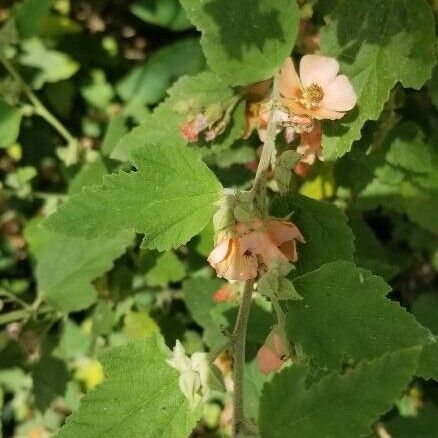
<point x="241" y="31"/>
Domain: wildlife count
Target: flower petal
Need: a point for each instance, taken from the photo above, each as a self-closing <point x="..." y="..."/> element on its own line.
<point x="267" y="360"/>
<point x="288" y="80"/>
<point x="339" y="95"/>
<point x="324" y="113"/>
<point x="283" y="231"/>
<point x="219" y="252"/>
<point x="316" y="69"/>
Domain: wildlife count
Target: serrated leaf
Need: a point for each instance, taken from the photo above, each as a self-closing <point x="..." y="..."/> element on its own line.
<point x="338" y="406"/>
<point x="344" y="315"/>
<point x="366" y="37"/>
<point x="245" y="41"/>
<point x="428" y="362"/>
<point x="66" y="282"/>
<point x="170" y="198"/>
<point x="139" y="398"/>
<point x="324" y="227"/>
<point x="90" y="174"/>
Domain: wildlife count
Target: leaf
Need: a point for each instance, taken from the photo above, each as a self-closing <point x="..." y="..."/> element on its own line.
<point x="170" y="199"/>
<point x="323" y="225"/>
<point x="366" y="37"/>
<point x="139" y="398"/>
<point x="344" y="315"/>
<point x="115" y="130"/>
<point x="165" y="13"/>
<point x="147" y="83"/>
<point x="68" y="287"/>
<point x="51" y="65"/>
<point x="138" y="325"/>
<point x="90" y="174"/>
<point x="96" y="90"/>
<point x="428" y="363"/>
<point x="74" y="343"/>
<point x="10" y="120"/>
<point x="29" y="16"/>
<point x="245" y="41"/>
<point x="166" y="268"/>
<point x="337" y="406"/>
<point x="163" y="125"/>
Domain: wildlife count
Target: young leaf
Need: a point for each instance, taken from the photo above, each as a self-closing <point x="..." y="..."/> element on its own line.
<point x="10" y="120"/>
<point x="65" y="282"/>
<point x="345" y="315"/>
<point x="338" y="406"/>
<point x="245" y="41"/>
<point x="170" y="199"/>
<point x="323" y="225"/>
<point x="139" y="398"/>
<point x="366" y="37"/>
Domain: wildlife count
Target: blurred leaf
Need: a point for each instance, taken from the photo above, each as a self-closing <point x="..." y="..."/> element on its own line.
<point x="167" y="268"/>
<point x="10" y="119"/>
<point x="135" y="388"/>
<point x="147" y="84"/>
<point x="51" y="65"/>
<point x="424" y="425"/>
<point x="335" y="406"/>
<point x="245" y="41"/>
<point x="138" y="325"/>
<point x="165" y="13"/>
<point x="115" y="130"/>
<point x="68" y="287"/>
<point x="29" y="16"/>
<point x="96" y="91"/>
<point x="20" y="180"/>
<point x="344" y="315"/>
<point x="74" y="342"/>
<point x="366" y="37"/>
<point x="89" y="372"/>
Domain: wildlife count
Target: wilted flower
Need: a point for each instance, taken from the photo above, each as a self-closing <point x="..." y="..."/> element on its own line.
<point x="223" y="294"/>
<point x="285" y="234"/>
<point x="310" y="145"/>
<point x="318" y="92"/>
<point x="191" y="130"/>
<point x="271" y="354"/>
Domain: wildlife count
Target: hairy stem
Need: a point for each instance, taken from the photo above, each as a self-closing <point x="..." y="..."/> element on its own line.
<point x="38" y="106"/>
<point x="239" y="342"/>
<point x="239" y="333"/>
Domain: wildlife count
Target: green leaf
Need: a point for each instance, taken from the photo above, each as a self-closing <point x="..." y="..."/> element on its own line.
<point x="51" y="65"/>
<point x="323" y="225"/>
<point x="344" y="315"/>
<point x="96" y="91"/>
<point x="10" y="120"/>
<point x="68" y="287"/>
<point x="166" y="268"/>
<point x="147" y="84"/>
<point x="90" y="174"/>
<point x="29" y="16"/>
<point x="165" y="13"/>
<point x="138" y="325"/>
<point x="366" y="37"/>
<point x="337" y="406"/>
<point x="424" y="425"/>
<point x="75" y="342"/>
<point x="245" y="41"/>
<point x="115" y="130"/>
<point x="139" y="398"/>
<point x="170" y="198"/>
<point x="428" y="363"/>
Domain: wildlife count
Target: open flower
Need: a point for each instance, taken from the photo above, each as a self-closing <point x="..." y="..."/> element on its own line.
<point x="285" y="235"/>
<point x="270" y="356"/>
<point x="318" y="91"/>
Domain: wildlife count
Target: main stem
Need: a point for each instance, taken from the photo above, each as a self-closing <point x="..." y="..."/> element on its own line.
<point x="239" y="343"/>
<point x="38" y="106"/>
<point x="239" y="332"/>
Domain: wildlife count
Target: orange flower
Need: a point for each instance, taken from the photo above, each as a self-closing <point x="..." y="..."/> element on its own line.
<point x="232" y="262"/>
<point x="319" y="91"/>
<point x="285" y="235"/>
<point x="270" y="356"/>
<point x="223" y="294"/>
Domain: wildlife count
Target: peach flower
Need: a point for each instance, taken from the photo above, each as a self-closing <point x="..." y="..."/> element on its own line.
<point x="285" y="235"/>
<point x="270" y="356"/>
<point x="231" y="260"/>
<point x="223" y="294"/>
<point x="318" y="91"/>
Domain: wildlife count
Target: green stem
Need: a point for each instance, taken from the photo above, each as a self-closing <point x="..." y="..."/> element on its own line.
<point x="39" y="108"/>
<point x="15" y="315"/>
<point x="239" y="342"/>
